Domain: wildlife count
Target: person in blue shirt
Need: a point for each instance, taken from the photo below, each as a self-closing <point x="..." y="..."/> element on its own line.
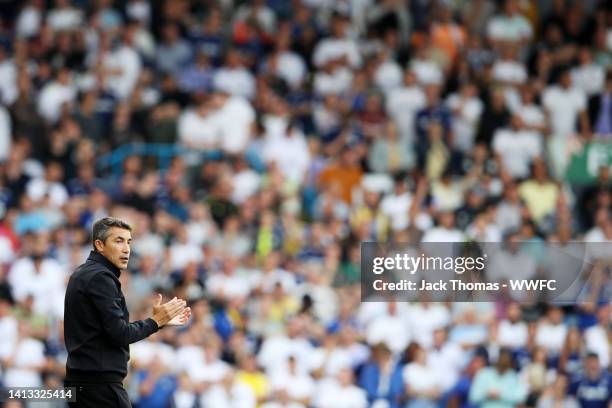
<point x="381" y="377"/>
<point x="458" y="396"/>
<point x="435" y="111"/>
<point x="156" y="385"/>
<point x="592" y="387"/>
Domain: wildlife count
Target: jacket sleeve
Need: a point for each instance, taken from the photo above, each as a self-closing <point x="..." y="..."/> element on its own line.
<point x="107" y="300"/>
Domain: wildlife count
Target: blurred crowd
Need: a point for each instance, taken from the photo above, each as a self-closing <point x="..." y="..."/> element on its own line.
<point x="305" y="127"/>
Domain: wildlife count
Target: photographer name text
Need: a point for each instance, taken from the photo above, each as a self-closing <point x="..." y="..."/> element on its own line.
<point x="459" y="285"/>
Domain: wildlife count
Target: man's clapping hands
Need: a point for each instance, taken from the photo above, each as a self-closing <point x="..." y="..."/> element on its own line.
<point x="171" y="313"/>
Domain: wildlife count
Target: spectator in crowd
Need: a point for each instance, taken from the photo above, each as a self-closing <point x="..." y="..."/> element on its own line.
<point x="600" y="110"/>
<point x="422" y="381"/>
<point x="382" y="378"/>
<point x="592" y="387"/>
<point x="557" y="394"/>
<point x="498" y="386"/>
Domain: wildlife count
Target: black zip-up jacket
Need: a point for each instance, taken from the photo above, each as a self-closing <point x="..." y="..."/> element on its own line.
<point x="97" y="329"/>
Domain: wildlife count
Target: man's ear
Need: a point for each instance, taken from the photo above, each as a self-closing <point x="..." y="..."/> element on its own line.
<point x="99" y="245"/>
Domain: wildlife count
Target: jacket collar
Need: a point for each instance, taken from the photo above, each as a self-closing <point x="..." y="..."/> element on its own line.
<point x="98" y="257"/>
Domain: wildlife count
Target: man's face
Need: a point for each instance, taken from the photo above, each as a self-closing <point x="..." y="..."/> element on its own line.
<point x="504" y="362"/>
<point x="566" y="79"/>
<point x="116" y="247"/>
<point x="591" y="367"/>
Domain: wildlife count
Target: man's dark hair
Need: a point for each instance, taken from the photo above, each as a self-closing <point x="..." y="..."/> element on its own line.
<point x="101" y="229"/>
<point x="591" y="355"/>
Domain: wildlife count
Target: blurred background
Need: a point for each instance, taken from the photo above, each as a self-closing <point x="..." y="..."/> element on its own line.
<point x="252" y="145"/>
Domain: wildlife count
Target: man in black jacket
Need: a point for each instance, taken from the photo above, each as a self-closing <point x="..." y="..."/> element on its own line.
<point x="97" y="330"/>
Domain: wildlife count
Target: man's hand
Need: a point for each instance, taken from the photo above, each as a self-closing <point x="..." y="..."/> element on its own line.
<point x="493" y="394"/>
<point x="163" y="314"/>
<point x="181" y="319"/>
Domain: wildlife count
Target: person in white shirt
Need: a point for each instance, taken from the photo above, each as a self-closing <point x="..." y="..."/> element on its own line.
<point x="50" y="186"/>
<point x="340" y="392"/>
<point x="510" y="26"/>
<point x="426" y="69"/>
<point x="396" y="204"/>
<point x="324" y="299"/>
<point x="182" y="252"/>
<point x="467" y="109"/>
<point x="198" y="127"/>
<point x="508" y="70"/>
<point x="30" y="18"/>
<point x="282" y="400"/>
<point x="425" y="318"/>
<point x="227" y="284"/>
<point x="286" y="64"/>
<point x="391" y="328"/>
<point x="402" y="104"/>
<point x="332" y="78"/>
<point x="139" y="10"/>
<point x="298" y="384"/>
<point x="122" y="64"/>
<point x="337" y="47"/>
<point x="531" y="114"/>
<point x="596" y="337"/>
<point x="43" y="278"/>
<point x="445" y="231"/>
<point x="246" y="181"/>
<point x="517" y="147"/>
<point x="388" y="74"/>
<point x="598" y="234"/>
<point x="551" y="331"/>
<point x="207" y="365"/>
<point x="275" y="350"/>
<point x="64" y="16"/>
<point x="152" y="351"/>
<point x="235" y="118"/>
<point x="8" y="78"/>
<point x="588" y="76"/>
<point x="184" y="396"/>
<point x="7" y="252"/>
<point x="229" y="393"/>
<point x="509" y="211"/>
<point x="329" y="359"/>
<point x="483" y="228"/>
<point x="290" y="153"/>
<point x="422" y="381"/>
<point x="233" y="77"/>
<point x="512" y="331"/>
<point x="200" y="228"/>
<point x="445" y="358"/>
<point x="5" y="134"/>
<point x="54" y="97"/>
<point x="565" y="104"/>
<point x="26" y="361"/>
<point x="8" y="329"/>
